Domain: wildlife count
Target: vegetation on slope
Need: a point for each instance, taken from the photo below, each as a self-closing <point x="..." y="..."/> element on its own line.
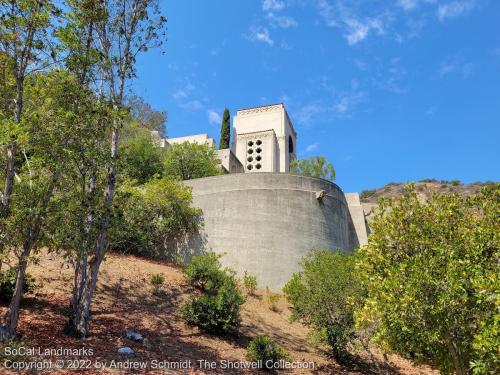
<point x="424" y="188"/>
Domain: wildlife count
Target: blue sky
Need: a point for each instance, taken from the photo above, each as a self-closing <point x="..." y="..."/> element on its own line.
<point x="394" y="90"/>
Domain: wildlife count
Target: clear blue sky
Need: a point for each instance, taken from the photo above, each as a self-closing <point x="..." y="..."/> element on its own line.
<point x="392" y="90"/>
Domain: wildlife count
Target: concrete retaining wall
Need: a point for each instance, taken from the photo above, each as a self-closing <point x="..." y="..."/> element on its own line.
<point x="266" y="222"/>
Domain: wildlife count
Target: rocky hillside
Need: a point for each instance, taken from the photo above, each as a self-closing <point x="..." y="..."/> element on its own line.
<point x="425" y="187"/>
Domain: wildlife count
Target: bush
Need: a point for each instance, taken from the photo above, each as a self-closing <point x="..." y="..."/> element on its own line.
<point x="272" y="300"/>
<point x="316" y="166"/>
<point x="265" y="350"/>
<point x="216" y="313"/>
<point x="148" y="218"/>
<point x="204" y="272"/>
<point x="249" y="283"/>
<point x="191" y="160"/>
<point x="431" y="273"/>
<point x="324" y="297"/>
<point x="217" y="310"/>
<point x="8" y="283"/>
<point x="157" y="280"/>
<point x="140" y="158"/>
<point x="367" y="194"/>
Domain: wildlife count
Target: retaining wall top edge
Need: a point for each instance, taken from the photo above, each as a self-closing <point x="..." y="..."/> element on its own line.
<point x="257" y="175"/>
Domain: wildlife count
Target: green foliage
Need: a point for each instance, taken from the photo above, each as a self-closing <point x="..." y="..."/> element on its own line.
<point x="324" y="297"/>
<point x="431" y="271"/>
<point x="204" y="272"/>
<point x="265" y="350"/>
<point x="148" y="217"/>
<point x="367" y="194"/>
<point x="217" y="310"/>
<point x="141" y="159"/>
<point x="316" y="167"/>
<point x="249" y="283"/>
<point x="190" y="160"/>
<point x="8" y="283"/>
<point x="272" y="299"/>
<point x="225" y="130"/>
<point x="157" y="280"/>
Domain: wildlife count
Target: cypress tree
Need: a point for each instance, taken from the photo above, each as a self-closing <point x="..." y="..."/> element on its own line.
<point x="225" y="130"/>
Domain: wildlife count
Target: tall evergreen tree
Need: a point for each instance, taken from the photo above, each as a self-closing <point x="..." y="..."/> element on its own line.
<point x="225" y="130"/>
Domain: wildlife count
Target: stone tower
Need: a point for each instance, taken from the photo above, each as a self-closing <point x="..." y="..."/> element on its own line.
<point x="264" y="139"/>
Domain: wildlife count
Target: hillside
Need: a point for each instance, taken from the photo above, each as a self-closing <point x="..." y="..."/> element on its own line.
<point x="124" y="301"/>
<point x="424" y="187"/>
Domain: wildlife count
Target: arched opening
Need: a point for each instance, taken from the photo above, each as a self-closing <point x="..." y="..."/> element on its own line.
<point x="290" y="144"/>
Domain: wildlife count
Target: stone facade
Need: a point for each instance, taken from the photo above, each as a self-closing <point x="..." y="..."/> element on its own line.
<point x="264" y="139"/>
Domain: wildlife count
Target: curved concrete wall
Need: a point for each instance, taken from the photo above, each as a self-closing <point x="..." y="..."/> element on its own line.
<point x="266" y="222"/>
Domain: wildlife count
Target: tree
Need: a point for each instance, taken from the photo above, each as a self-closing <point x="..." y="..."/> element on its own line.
<point x="191" y="160"/>
<point x="62" y="105"/>
<point x="324" y="296"/>
<point x="24" y="46"/>
<point x="141" y="159"/>
<point x="123" y="30"/>
<point x="147" y="117"/>
<point x="225" y="130"/>
<point x="431" y="272"/>
<point x="149" y="217"/>
<point x="316" y="167"/>
<point x="82" y="197"/>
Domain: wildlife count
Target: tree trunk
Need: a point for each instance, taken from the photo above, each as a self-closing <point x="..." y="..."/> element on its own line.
<point x="11" y="151"/>
<point x="79" y="326"/>
<point x="458" y="362"/>
<point x="9" y="325"/>
<point x="11" y="318"/>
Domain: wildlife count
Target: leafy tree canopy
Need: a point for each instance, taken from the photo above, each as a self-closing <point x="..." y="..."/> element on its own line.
<point x="190" y="160"/>
<point x="431" y="271"/>
<point x="316" y="166"/>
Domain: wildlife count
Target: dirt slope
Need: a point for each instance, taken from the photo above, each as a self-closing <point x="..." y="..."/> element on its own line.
<point x="124" y="300"/>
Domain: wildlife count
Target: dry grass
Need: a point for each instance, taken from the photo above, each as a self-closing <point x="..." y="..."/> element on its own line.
<point x="124" y="299"/>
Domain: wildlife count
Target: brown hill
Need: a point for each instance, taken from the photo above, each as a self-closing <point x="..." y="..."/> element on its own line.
<point x="124" y="300"/>
<point x="424" y="187"/>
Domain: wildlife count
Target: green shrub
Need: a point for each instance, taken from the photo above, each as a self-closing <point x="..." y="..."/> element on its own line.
<point x="148" y="217"/>
<point x="367" y="194"/>
<point x="191" y="160"/>
<point x="456" y="182"/>
<point x="216" y="313"/>
<point x="265" y="350"/>
<point x="218" y="308"/>
<point x="157" y="280"/>
<point x="204" y="272"/>
<point x="431" y="273"/>
<point x="272" y="299"/>
<point x="324" y="297"/>
<point x="249" y="283"/>
<point x="8" y="283"/>
<point x="316" y="166"/>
